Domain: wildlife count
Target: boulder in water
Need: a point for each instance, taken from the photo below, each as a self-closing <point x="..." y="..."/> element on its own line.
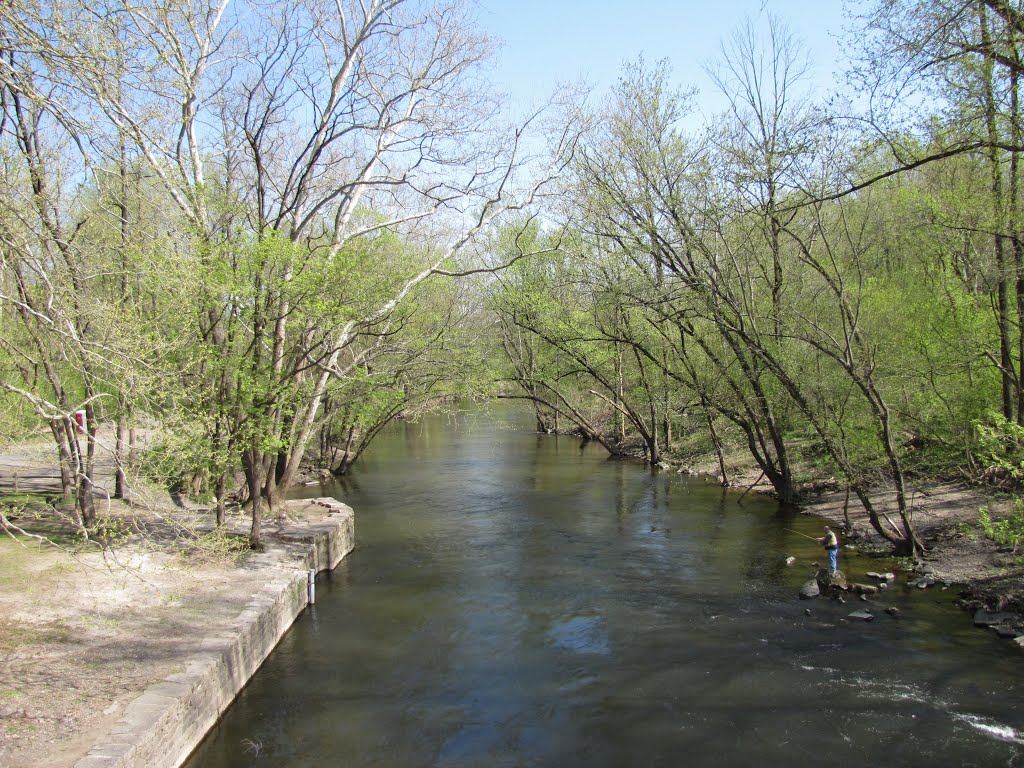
<point x="809" y="590"/>
<point x="864" y="589"/>
<point x="985" y="618"/>
<point x="861" y="616"/>
<point x="827" y="581"/>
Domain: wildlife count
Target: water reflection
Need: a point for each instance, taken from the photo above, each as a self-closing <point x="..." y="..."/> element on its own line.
<point x="580" y="634"/>
<point x="519" y="600"/>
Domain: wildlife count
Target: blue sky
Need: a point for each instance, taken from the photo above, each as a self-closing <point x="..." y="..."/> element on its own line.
<point x="551" y="41"/>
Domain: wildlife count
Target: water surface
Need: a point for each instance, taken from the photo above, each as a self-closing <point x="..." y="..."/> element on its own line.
<point x="521" y="600"/>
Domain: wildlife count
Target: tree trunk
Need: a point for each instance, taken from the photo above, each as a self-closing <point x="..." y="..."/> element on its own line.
<point x="999" y="224"/>
<point x="120" y="453"/>
<point x="63" y="459"/>
<point x="220" y="491"/>
<point x="252" y="463"/>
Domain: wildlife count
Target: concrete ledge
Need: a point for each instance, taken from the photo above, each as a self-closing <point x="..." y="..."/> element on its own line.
<point x="162" y="727"/>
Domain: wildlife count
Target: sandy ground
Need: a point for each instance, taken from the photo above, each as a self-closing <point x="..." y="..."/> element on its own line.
<point x="83" y="632"/>
<point x="81" y="636"/>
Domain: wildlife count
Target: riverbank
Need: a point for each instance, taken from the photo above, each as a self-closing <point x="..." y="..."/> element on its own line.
<point x="945" y="515"/>
<point x="126" y="657"/>
<point x="85" y="635"/>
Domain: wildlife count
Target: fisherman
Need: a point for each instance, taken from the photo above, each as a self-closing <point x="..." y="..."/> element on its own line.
<point x="831" y="545"/>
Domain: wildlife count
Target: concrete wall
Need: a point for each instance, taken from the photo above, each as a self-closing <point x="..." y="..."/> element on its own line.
<point x="162" y="727"/>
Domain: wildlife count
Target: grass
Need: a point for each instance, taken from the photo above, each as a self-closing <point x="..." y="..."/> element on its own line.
<point x="39" y="518"/>
<point x="18" y="501"/>
<point x="15" y="634"/>
<point x="214" y="545"/>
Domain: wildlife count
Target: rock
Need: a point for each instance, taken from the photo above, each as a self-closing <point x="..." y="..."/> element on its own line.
<point x="984" y="618"/>
<point x="863" y="597"/>
<point x="1005" y="630"/>
<point x="809" y="590"/>
<point x="828" y="580"/>
<point x="864" y="589"/>
<point x="922" y="583"/>
<point x="807" y="611"/>
<point x="1020" y="642"/>
<point x="840" y="599"/>
<point x="893" y="611"/>
<point x="790" y="560"/>
<point x="883" y="585"/>
<point x="861" y="616"/>
<point x="880" y="576"/>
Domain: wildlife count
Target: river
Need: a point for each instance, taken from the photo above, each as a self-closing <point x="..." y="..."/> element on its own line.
<point x="521" y="600"/>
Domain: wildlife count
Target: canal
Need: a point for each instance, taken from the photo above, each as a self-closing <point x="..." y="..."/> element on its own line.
<point x="521" y="600"/>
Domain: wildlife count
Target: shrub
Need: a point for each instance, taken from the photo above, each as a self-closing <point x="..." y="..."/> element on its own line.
<point x="1008" y="531"/>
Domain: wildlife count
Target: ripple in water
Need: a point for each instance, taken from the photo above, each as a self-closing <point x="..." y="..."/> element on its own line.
<point x="580" y="634"/>
<point x="991" y="728"/>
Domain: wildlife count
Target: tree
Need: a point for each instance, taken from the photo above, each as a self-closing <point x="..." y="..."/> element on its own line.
<point x="963" y="60"/>
<point x="323" y="161"/>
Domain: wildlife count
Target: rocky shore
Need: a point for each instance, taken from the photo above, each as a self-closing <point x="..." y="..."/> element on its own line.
<point x="989" y="578"/>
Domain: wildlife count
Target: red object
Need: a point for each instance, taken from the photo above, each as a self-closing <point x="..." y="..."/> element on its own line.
<point x="80" y="423"/>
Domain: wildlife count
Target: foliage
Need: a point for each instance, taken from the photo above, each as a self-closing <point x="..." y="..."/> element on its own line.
<point x="1007" y="532"/>
<point x="1000" y="448"/>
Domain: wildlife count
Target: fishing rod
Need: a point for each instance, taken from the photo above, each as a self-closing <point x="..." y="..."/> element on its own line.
<point x="812" y="538"/>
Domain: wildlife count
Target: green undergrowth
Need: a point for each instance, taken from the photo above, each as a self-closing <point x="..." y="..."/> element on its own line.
<point x="1009" y="531"/>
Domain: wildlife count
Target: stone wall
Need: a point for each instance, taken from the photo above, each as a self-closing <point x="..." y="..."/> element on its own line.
<point x="162" y="727"/>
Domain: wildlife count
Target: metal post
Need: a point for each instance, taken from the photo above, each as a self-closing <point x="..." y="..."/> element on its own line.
<point x="312" y="586"/>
